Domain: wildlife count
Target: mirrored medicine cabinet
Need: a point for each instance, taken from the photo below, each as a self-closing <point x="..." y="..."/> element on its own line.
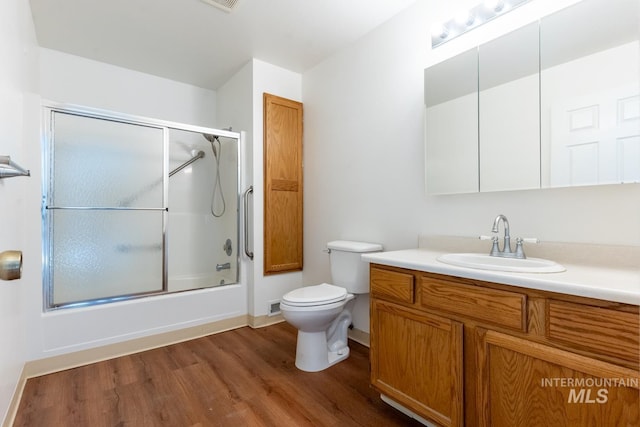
<point x="553" y="104"/>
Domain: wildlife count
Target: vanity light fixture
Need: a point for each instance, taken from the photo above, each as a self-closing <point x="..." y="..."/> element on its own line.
<point x="226" y="5"/>
<point x="468" y="20"/>
<point x="464" y="17"/>
<point x="495" y="5"/>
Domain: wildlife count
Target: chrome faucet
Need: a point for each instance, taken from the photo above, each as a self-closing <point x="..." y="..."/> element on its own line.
<point x="506" y="251"/>
<point x="506" y="247"/>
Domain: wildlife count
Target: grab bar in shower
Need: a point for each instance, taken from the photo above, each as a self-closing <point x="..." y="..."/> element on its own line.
<point x="8" y="168"/>
<point x="199" y="155"/>
<point x="245" y="196"/>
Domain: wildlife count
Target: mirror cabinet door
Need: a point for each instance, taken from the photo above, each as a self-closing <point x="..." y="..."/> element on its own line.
<point x="510" y="111"/>
<point x="590" y="108"/>
<point x="451" y="125"/>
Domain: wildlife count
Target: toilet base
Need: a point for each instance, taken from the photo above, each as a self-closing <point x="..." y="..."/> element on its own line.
<point x="312" y="353"/>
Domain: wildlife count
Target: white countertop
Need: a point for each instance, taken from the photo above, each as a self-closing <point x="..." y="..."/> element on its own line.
<point x="611" y="284"/>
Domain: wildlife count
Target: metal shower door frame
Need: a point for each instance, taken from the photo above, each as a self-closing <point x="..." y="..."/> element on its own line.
<point x="49" y="109"/>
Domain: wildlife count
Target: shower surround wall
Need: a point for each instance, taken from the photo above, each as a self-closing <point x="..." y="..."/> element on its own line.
<point x="69" y="79"/>
<point x="196" y="241"/>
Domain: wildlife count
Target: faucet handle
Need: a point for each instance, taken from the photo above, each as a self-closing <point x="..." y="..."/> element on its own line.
<point x="529" y="239"/>
<point x="495" y="250"/>
<point x="520" y="249"/>
<point x="493" y="238"/>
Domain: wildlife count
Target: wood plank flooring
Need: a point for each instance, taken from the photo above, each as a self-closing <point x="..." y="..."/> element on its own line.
<point x="244" y="377"/>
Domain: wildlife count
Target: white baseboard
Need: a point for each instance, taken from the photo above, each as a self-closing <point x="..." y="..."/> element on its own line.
<point x="61" y="362"/>
<point x="12" y="410"/>
<point x="359" y="336"/>
<point x="35" y="368"/>
<point x="261" y="321"/>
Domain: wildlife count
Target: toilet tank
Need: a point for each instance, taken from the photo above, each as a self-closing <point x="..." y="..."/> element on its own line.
<point x="347" y="267"/>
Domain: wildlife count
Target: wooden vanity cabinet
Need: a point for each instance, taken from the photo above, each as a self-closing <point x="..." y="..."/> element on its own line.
<point x="465" y="352"/>
<point x="417" y="361"/>
<point x="524" y="383"/>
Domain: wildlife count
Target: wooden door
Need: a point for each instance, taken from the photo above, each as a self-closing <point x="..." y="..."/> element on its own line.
<point x="416" y="360"/>
<point x="527" y="384"/>
<point x="282" y="185"/>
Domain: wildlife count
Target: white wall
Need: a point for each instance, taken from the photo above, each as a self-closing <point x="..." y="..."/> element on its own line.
<point x="77" y="80"/>
<point x="364" y="167"/>
<point x="235" y="110"/>
<point x="245" y="91"/>
<point x="70" y="79"/>
<point x="18" y="85"/>
<point x="287" y="84"/>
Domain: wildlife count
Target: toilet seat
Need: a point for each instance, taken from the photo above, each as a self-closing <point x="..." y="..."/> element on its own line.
<point x="321" y="294"/>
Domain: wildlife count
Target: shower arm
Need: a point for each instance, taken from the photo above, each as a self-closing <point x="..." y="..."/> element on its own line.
<point x="199" y="155"/>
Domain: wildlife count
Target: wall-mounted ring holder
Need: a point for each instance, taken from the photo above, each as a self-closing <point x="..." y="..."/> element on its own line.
<point x="10" y="265"/>
<point x="9" y="169"/>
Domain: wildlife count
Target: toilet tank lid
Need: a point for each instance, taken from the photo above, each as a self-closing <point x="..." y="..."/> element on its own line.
<point x="350" y="246"/>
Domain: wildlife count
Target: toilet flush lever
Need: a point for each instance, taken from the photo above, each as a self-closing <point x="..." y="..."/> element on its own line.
<point x="328" y="251"/>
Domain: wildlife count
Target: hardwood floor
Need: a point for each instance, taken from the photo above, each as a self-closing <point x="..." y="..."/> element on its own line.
<point x="244" y="377"/>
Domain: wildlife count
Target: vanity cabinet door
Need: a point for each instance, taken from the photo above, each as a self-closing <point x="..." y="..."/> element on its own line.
<point x="416" y="360"/>
<point x="523" y="383"/>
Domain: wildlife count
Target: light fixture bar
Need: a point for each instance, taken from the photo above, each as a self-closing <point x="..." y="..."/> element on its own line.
<point x="226" y="5"/>
<point x="467" y="21"/>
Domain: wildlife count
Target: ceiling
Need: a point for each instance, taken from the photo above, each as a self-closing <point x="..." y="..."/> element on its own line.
<point x="193" y="42"/>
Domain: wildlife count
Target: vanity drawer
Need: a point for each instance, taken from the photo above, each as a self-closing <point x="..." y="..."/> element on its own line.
<point x="496" y="306"/>
<point x="392" y="285"/>
<point x="606" y="331"/>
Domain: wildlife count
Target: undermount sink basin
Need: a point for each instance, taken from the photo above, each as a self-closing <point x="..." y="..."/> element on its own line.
<point x="487" y="262"/>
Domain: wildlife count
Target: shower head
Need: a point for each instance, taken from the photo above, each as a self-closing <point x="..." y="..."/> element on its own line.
<point x="211" y="139"/>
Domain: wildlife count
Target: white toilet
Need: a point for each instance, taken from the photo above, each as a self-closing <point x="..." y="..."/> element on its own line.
<point x="322" y="313"/>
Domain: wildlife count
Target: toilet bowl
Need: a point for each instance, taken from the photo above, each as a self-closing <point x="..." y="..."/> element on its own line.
<point x="322" y="313"/>
<point x="315" y="317"/>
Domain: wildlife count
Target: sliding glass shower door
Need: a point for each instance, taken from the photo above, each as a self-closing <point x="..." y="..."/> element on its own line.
<point x="106" y="209"/>
<point x="107" y="233"/>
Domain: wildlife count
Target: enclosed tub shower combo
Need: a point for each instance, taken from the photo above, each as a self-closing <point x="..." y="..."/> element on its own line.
<point x="136" y="207"/>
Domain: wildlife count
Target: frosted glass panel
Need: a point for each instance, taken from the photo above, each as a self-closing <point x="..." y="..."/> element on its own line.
<point x="105" y="254"/>
<point x="104" y="163"/>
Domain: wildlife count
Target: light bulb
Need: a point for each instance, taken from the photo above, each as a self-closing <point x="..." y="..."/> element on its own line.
<point x="439" y="30"/>
<point x="495" y="5"/>
<point x="464" y="17"/>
